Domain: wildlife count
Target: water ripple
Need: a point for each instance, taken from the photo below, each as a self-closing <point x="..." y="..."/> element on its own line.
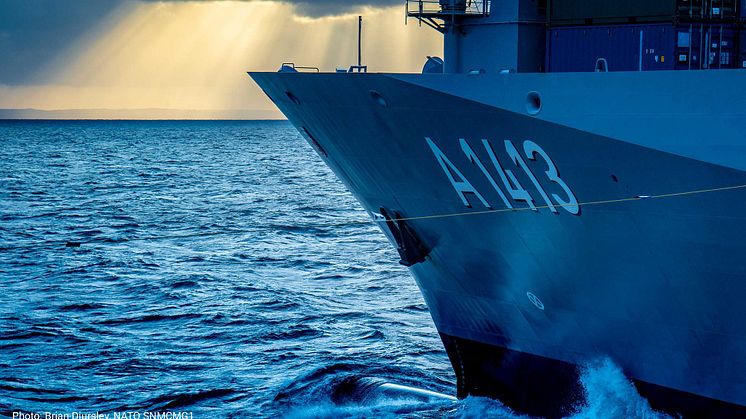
<point x="215" y="267"/>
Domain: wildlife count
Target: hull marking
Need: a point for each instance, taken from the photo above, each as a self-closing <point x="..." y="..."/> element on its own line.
<point x="510" y="182"/>
<point x="535" y="300"/>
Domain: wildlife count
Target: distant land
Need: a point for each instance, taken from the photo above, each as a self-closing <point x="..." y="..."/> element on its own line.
<point x="139" y="114"/>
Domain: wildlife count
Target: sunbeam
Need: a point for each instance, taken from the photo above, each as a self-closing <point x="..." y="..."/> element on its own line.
<point x="194" y="55"/>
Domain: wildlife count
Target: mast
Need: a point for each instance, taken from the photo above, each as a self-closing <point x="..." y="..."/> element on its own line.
<point x="359" y="41"/>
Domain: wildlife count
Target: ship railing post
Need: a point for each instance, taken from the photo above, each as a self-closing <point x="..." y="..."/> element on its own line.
<point x="359" y="41"/>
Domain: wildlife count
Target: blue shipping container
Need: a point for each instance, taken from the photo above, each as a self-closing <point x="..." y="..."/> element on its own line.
<point x="610" y="12"/>
<point x="642" y="47"/>
<point x="706" y="47"/>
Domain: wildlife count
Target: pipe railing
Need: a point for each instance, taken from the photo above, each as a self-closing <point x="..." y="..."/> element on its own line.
<point x="433" y="8"/>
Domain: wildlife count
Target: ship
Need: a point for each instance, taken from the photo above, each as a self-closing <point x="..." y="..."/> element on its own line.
<point x="567" y="184"/>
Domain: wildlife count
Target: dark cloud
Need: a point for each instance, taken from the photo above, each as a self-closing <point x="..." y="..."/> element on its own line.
<point x="317" y="8"/>
<point x="33" y="32"/>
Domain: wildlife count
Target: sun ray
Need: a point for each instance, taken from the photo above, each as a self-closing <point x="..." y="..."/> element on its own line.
<point x="194" y="55"/>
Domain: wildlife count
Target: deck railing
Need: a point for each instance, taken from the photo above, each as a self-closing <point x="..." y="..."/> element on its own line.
<point x="443" y="8"/>
<point x="438" y="13"/>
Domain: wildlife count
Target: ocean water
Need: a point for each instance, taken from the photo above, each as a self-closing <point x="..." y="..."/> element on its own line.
<point x="214" y="268"/>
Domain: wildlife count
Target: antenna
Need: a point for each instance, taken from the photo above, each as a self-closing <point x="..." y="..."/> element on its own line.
<point x="359" y="41"/>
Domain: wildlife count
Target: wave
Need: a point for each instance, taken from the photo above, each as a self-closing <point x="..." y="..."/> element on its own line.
<point x="347" y="391"/>
<point x="610" y="394"/>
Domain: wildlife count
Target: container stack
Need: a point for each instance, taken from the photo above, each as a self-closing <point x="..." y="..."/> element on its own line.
<point x="645" y="35"/>
<point x="742" y="33"/>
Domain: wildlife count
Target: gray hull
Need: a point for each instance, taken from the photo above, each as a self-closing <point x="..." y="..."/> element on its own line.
<point x="655" y="284"/>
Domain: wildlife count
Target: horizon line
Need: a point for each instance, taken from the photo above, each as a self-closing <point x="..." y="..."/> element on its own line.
<point x="141" y="114"/>
<point x="138" y="120"/>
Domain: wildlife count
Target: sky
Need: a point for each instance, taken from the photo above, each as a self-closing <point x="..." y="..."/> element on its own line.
<point x="182" y="55"/>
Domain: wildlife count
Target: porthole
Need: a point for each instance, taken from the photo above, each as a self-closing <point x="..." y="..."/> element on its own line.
<point x="533" y="103"/>
<point x="378" y="99"/>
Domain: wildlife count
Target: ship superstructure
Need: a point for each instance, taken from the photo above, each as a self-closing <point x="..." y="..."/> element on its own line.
<point x="568" y="184"/>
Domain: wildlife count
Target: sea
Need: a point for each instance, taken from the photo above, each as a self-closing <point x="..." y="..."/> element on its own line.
<point x="211" y="269"/>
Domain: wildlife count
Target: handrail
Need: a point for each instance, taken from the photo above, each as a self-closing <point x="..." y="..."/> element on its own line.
<point x="438" y="13"/>
<point x="422" y="8"/>
<point x="300" y="67"/>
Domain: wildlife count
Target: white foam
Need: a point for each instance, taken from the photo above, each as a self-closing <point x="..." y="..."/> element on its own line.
<point x="611" y="395"/>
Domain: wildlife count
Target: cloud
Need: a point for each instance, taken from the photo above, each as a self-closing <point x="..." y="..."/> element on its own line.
<point x="318" y="8"/>
<point x="194" y="55"/>
<point x="34" y="32"/>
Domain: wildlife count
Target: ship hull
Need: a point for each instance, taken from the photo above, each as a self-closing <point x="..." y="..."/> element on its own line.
<point x="646" y="270"/>
<point x="550" y="388"/>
